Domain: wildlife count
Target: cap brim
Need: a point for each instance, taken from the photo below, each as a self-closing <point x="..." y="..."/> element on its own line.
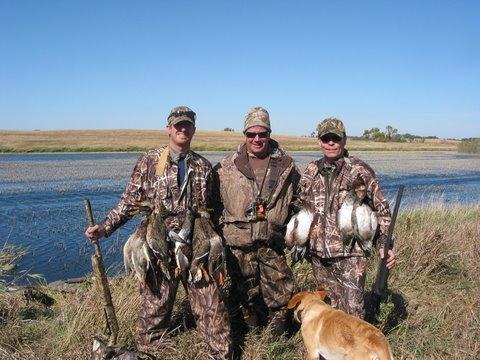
<point x="179" y="119"/>
<point x="338" y="133"/>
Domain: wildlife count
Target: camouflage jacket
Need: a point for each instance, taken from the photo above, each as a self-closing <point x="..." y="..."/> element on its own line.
<point x="145" y="184"/>
<point x="235" y="191"/>
<point x="325" y="193"/>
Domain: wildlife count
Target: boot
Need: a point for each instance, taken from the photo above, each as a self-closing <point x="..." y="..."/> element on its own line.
<point x="278" y="321"/>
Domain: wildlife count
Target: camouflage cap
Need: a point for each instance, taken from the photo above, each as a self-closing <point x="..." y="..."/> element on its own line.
<point x="181" y="113"/>
<point x="257" y="116"/>
<point x="331" y="125"/>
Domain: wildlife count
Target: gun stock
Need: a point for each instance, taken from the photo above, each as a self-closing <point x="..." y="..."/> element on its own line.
<point x="380" y="285"/>
<point x="102" y="283"/>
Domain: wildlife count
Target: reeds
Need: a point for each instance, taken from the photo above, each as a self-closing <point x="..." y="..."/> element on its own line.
<point x="432" y="311"/>
<point x="9" y="255"/>
<point x="471" y="146"/>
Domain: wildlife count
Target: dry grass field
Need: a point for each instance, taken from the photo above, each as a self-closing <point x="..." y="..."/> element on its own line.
<point x="140" y="140"/>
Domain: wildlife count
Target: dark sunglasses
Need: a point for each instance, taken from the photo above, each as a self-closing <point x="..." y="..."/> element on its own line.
<point x="330" y="137"/>
<point x="261" y="135"/>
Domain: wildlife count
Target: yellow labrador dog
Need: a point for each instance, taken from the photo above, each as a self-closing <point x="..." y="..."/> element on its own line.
<point x="332" y="334"/>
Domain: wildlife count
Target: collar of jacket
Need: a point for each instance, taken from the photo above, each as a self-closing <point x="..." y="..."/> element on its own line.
<point x="276" y="156"/>
<point x="338" y="164"/>
<point x="175" y="156"/>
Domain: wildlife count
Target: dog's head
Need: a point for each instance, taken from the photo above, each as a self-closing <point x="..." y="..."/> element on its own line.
<point x="298" y="302"/>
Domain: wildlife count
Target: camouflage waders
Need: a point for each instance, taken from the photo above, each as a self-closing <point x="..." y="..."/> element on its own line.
<point x="262" y="284"/>
<point x="344" y="279"/>
<point x="157" y="300"/>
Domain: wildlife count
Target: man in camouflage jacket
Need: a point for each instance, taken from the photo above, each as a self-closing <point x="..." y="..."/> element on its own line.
<point x="255" y="187"/>
<point x="340" y="266"/>
<point x="162" y="176"/>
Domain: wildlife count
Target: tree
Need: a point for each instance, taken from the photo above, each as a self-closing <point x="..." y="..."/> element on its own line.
<point x="374" y="134"/>
<point x="390" y="133"/>
<point x="228" y="129"/>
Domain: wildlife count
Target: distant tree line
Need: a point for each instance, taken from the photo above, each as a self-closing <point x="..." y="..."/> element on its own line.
<point x="392" y="135"/>
<point x="389" y="135"/>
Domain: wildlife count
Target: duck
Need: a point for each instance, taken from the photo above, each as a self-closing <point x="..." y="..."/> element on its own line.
<point x="357" y="221"/>
<point x="158" y="241"/>
<point x="148" y="245"/>
<point x="298" y="228"/>
<point x="182" y="247"/>
<point x="208" y="251"/>
<point x="298" y="233"/>
<point x="136" y="257"/>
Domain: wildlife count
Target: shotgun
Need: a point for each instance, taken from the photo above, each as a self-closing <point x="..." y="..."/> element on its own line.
<point x="380" y="285"/>
<point x="102" y="283"/>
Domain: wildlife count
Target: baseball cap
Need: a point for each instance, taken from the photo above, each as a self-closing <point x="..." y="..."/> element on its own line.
<point x="181" y="113"/>
<point x="331" y="125"/>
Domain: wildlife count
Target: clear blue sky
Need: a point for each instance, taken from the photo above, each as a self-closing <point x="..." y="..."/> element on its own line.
<point x="69" y="64"/>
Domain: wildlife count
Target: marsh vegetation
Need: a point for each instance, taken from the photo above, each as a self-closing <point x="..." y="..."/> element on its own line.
<point x="432" y="311"/>
<point x="471" y="146"/>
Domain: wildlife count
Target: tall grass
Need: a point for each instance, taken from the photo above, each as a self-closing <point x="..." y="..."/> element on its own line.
<point x="469" y="146"/>
<point x="9" y="255"/>
<point x="432" y="312"/>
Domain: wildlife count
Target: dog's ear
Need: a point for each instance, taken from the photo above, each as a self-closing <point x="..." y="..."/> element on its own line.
<point x="295" y="300"/>
<point x="322" y="293"/>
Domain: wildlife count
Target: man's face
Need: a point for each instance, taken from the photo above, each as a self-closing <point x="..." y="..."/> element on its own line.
<point x="256" y="139"/>
<point x="332" y="146"/>
<point x="181" y="134"/>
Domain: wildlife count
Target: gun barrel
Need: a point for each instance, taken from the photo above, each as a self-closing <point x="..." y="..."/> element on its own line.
<point x="383" y="272"/>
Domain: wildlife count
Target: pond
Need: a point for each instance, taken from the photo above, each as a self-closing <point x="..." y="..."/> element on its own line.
<point x="42" y="199"/>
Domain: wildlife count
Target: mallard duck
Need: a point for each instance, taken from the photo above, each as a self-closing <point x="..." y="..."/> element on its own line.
<point x="158" y="241"/>
<point x="183" y="241"/>
<point x="136" y="257"/>
<point x="208" y="251"/>
<point x="148" y="245"/>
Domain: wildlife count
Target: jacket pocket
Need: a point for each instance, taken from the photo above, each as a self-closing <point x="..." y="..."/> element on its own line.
<point x="238" y="233"/>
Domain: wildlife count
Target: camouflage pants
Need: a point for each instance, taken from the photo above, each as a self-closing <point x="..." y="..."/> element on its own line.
<point x="344" y="279"/>
<point x="208" y="308"/>
<point x="262" y="283"/>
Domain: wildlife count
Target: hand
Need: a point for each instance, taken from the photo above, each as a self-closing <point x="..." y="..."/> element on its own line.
<point x="95" y="232"/>
<point x="391" y="259"/>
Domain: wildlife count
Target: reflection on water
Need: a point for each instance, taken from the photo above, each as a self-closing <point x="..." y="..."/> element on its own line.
<point x="42" y="198"/>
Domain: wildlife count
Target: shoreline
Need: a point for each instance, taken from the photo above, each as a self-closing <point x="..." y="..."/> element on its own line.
<point x="215" y="150"/>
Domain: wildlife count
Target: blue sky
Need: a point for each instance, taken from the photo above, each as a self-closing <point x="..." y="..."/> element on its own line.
<point x="414" y="65"/>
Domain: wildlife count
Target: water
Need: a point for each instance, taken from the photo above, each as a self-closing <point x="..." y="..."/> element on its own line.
<point x="42" y="195"/>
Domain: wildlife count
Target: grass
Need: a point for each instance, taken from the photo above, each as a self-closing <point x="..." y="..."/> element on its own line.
<point x="471" y="146"/>
<point x="432" y="311"/>
<point x="141" y="140"/>
<point x="9" y="255"/>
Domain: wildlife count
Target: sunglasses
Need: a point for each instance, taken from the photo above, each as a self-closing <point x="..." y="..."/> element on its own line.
<point x="261" y="135"/>
<point x="330" y="137"/>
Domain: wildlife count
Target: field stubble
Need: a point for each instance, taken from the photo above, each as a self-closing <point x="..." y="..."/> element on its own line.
<point x="141" y="140"/>
<point x="432" y="312"/>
